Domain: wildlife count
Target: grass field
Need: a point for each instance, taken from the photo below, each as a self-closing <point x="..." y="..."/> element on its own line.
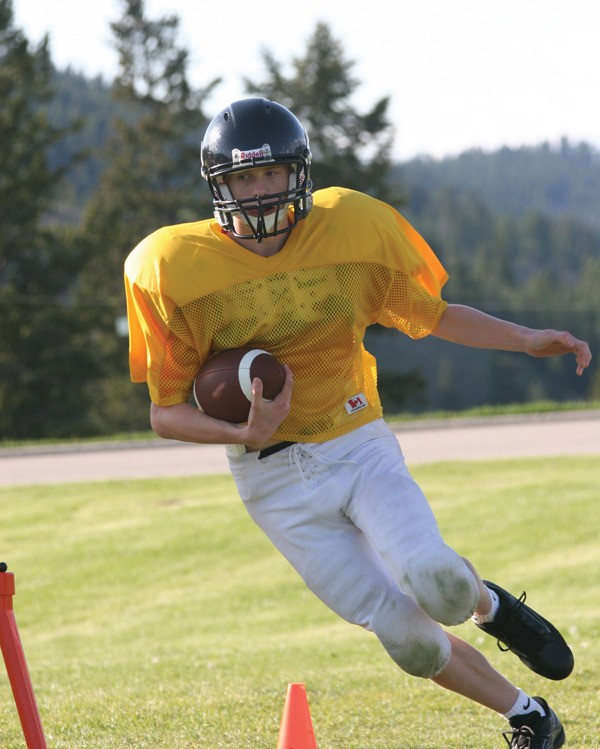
<point x="155" y="614"/>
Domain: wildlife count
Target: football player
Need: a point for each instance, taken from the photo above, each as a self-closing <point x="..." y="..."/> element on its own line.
<point x="302" y="274"/>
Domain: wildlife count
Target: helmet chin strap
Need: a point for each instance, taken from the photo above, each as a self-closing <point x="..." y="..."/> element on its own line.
<point x="252" y="222"/>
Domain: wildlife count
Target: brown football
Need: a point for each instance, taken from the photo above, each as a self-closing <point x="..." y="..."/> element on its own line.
<point x="223" y="387"/>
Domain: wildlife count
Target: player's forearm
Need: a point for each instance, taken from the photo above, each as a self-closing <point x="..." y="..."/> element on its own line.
<point x="186" y="423"/>
<point x="471" y="327"/>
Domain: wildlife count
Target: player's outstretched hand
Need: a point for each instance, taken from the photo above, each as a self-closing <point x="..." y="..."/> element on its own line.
<point x="558" y="342"/>
<point x="266" y="415"/>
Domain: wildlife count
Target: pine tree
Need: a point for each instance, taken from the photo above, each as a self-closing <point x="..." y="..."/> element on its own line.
<point x="27" y="182"/>
<point x="152" y="179"/>
<point x="40" y="353"/>
<point x="350" y="149"/>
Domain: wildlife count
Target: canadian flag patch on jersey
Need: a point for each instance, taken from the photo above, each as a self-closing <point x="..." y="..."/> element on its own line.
<point x="356" y="403"/>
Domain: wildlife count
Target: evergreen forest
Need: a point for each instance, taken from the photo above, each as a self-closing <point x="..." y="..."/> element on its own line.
<point x="88" y="167"/>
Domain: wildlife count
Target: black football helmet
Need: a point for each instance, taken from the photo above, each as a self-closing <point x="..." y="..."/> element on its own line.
<point x="250" y="133"/>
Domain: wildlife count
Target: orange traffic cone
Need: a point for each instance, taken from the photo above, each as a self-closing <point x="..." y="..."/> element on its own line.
<point x="296" y="730"/>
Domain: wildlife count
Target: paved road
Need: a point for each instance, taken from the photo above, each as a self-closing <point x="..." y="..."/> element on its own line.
<point x="573" y="433"/>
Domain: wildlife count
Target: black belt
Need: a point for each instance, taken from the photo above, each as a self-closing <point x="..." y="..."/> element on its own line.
<point x="277" y="447"/>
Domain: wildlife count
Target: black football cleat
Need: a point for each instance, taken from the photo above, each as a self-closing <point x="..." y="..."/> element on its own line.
<point x="535" y="731"/>
<point x="528" y="635"/>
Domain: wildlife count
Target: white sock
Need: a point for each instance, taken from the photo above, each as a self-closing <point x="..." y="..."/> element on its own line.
<point x="524" y="704"/>
<point x="489" y="617"/>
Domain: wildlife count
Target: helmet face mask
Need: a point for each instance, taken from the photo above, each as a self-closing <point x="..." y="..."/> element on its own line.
<point x="252" y="133"/>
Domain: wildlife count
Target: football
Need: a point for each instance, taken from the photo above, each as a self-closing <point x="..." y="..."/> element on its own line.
<point x="223" y="387"/>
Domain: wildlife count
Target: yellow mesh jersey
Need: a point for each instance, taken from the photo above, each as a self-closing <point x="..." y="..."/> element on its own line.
<point x="354" y="261"/>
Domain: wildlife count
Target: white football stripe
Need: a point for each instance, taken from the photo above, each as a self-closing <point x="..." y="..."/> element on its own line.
<point x="244" y="371"/>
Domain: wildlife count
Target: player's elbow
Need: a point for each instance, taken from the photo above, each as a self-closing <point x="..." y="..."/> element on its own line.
<point x="158" y="421"/>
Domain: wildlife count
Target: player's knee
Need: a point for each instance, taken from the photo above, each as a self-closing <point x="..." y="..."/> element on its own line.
<point x="445" y="589"/>
<point x="422" y="650"/>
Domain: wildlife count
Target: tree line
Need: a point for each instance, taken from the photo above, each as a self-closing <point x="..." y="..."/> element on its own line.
<point x="89" y="168"/>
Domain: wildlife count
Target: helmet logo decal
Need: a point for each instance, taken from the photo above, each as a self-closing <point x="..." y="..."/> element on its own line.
<point x="238" y="156"/>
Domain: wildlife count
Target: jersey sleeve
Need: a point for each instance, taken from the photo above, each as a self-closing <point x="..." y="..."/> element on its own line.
<point x="436" y="275"/>
<point x="165" y="360"/>
<point x="410" y="307"/>
<point x="414" y="301"/>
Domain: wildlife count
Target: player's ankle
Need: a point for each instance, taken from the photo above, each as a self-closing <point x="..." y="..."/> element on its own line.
<point x="488" y="616"/>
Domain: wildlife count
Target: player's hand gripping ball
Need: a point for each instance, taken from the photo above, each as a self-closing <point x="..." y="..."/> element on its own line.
<point x="223" y="387"/>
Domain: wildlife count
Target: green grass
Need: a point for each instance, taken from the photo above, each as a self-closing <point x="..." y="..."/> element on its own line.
<point x="155" y="614"/>
<point x="531" y="408"/>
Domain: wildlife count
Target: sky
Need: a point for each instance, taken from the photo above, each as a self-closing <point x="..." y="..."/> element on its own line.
<point x="460" y="74"/>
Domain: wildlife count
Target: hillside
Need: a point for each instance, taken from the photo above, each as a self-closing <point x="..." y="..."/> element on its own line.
<point x="560" y="180"/>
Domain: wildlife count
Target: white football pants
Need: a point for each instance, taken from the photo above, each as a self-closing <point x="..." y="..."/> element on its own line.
<point x="355" y="525"/>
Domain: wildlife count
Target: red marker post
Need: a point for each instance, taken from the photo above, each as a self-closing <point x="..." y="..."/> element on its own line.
<point x="16" y="665"/>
